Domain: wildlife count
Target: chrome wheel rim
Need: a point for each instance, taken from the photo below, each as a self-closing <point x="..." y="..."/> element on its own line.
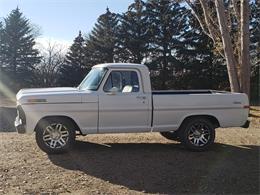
<point x="199" y="134"/>
<point x="56" y="135"/>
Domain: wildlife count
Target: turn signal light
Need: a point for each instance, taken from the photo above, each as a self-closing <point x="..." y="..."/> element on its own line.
<point x="36" y="100"/>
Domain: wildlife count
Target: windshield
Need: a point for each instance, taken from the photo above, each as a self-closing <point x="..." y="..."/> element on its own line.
<point x="93" y="79"/>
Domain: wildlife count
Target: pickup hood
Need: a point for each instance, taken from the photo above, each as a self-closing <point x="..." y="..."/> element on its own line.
<point x="46" y="90"/>
<point x="49" y="95"/>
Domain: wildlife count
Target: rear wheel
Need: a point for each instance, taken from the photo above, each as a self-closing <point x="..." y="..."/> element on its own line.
<point x="197" y="134"/>
<point x="55" y="135"/>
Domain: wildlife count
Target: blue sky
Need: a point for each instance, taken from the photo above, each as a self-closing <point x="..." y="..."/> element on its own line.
<point x="62" y="19"/>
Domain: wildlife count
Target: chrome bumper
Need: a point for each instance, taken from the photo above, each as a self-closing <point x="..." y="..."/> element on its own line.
<point x="20" y="127"/>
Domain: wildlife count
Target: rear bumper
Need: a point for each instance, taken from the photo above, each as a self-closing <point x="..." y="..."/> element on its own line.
<point x="246" y="125"/>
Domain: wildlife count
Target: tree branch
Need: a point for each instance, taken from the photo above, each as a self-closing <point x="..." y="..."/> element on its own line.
<point x="198" y="18"/>
<point x="236" y="11"/>
<point x="208" y="21"/>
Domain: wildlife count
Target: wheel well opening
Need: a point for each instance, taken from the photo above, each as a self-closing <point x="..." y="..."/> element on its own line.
<point x="76" y="127"/>
<point x="212" y="119"/>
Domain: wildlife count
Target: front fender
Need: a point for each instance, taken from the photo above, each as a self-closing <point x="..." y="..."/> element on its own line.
<point x="85" y="115"/>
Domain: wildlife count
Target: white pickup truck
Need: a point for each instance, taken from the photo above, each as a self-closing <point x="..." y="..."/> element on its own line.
<point x="117" y="98"/>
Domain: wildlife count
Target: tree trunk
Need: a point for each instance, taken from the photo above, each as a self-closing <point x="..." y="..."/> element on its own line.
<point x="245" y="60"/>
<point x="256" y="87"/>
<point x="164" y="67"/>
<point x="163" y="76"/>
<point x="227" y="46"/>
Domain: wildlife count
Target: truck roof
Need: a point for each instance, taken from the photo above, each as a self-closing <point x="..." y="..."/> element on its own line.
<point x="120" y="65"/>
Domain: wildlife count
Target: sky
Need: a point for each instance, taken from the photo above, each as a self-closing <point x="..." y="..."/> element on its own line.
<point x="60" y="20"/>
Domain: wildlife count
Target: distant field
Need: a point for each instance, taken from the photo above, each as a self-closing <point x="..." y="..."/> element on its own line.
<point x="255" y="111"/>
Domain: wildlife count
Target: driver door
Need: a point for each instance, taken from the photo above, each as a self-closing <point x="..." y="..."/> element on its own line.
<point x="123" y="107"/>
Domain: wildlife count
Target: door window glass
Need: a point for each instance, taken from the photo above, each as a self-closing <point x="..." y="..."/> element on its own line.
<point x="122" y="81"/>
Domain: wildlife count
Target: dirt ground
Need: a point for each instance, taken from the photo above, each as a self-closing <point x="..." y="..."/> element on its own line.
<point x="133" y="164"/>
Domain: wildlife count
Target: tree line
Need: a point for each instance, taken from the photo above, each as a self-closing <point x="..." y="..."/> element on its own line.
<point x="175" y="40"/>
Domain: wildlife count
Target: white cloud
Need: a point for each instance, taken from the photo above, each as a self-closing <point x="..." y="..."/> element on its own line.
<point x="43" y="43"/>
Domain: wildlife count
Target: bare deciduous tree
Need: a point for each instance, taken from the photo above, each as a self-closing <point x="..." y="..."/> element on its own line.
<point x="53" y="57"/>
<point x="227" y="24"/>
<point x="245" y="60"/>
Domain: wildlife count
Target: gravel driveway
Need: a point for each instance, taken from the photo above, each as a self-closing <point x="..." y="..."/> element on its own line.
<point x="133" y="164"/>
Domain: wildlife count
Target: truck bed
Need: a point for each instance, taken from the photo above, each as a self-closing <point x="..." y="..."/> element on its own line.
<point x="171" y="107"/>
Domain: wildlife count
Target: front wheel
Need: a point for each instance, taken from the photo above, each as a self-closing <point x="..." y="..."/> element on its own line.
<point x="197" y="134"/>
<point x="55" y="135"/>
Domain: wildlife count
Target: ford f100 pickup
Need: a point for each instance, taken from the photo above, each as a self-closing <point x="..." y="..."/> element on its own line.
<point x="117" y="98"/>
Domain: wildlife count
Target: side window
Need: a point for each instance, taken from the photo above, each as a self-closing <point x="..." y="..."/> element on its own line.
<point x="122" y="81"/>
<point x="114" y="80"/>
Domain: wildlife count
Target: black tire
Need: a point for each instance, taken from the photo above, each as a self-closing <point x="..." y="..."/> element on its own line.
<point x="171" y="135"/>
<point x="64" y="136"/>
<point x="197" y="134"/>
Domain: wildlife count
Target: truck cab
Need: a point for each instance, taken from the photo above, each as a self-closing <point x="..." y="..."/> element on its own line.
<point x="124" y="99"/>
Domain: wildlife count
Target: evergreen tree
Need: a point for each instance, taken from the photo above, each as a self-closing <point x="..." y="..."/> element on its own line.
<point x="1" y="46"/>
<point x="133" y="34"/>
<point x="101" y="43"/>
<point x="200" y="67"/>
<point x="18" y="50"/>
<point x="1" y="57"/>
<point x="167" y="19"/>
<point x="255" y="51"/>
<point x="74" y="68"/>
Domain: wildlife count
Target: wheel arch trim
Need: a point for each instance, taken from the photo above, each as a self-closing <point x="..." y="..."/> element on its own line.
<point x="77" y="128"/>
<point x="211" y="118"/>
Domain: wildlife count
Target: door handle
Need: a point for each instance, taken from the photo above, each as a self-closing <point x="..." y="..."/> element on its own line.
<point x="111" y="93"/>
<point x="141" y="97"/>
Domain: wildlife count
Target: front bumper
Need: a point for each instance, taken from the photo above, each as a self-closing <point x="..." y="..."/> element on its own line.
<point x="20" y="127"/>
<point x="246" y="125"/>
<point x="20" y="120"/>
